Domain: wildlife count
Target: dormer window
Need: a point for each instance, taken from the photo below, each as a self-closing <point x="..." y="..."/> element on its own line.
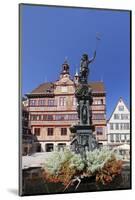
<point x="48" y="90"/>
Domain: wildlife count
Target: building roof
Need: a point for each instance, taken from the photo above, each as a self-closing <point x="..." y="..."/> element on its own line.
<point x="43" y="88"/>
<point x="48" y="88"/>
<point x="97" y="86"/>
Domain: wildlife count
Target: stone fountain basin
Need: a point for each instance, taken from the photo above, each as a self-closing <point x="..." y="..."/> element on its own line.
<point x="33" y="183"/>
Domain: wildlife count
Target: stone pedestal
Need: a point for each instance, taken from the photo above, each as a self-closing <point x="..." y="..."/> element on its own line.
<point x="83" y="139"/>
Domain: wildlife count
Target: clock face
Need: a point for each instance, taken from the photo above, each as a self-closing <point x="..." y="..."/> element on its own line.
<point x="63" y="89"/>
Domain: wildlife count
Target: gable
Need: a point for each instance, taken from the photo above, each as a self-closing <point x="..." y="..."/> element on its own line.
<point x="120" y="108"/>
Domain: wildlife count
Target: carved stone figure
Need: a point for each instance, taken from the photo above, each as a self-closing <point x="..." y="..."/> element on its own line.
<point x="84" y="114"/>
<point x="84" y="69"/>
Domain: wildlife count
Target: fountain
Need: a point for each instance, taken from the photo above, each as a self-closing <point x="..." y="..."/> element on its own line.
<point x="83" y="139"/>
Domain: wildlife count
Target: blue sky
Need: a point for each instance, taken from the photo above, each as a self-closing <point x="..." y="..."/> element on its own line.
<point x="49" y="34"/>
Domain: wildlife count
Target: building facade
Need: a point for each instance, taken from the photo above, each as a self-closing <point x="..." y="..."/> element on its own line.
<point x="27" y="137"/>
<point x="52" y="110"/>
<point x="118" y="126"/>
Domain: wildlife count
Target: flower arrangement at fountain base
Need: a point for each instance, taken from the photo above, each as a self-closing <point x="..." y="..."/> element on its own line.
<point x="69" y="168"/>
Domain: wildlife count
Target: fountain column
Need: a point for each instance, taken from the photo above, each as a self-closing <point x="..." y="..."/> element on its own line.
<point x="83" y="131"/>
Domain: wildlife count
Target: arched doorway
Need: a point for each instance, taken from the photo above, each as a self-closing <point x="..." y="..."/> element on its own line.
<point x="61" y="146"/>
<point x="49" y="147"/>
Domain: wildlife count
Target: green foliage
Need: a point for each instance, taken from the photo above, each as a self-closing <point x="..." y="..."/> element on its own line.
<point x="76" y="162"/>
<point x="96" y="159"/>
<point x="55" y="160"/>
<point x="58" y="158"/>
<point x="63" y="166"/>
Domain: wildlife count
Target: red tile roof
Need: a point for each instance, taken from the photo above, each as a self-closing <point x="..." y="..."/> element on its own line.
<point x="97" y="86"/>
<point x="45" y="88"/>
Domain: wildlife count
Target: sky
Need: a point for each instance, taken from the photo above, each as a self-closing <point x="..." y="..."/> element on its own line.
<point x="51" y="34"/>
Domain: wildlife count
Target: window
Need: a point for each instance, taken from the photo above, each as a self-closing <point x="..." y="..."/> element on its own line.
<point x="98" y="101"/>
<point x="48" y="90"/>
<point x="36" y="117"/>
<point x="60" y="117"/>
<point x="47" y="117"/>
<point x="50" y="102"/>
<point x="111" y="126"/>
<point x="40" y="117"/>
<point x="116" y="116"/>
<point x="99" y="116"/>
<point x="95" y="102"/>
<point x="62" y="101"/>
<point x="99" y="130"/>
<point x="117" y="126"/>
<point x="63" y="89"/>
<point x="124" y="116"/>
<point x="72" y="117"/>
<point x="121" y="108"/>
<point x="50" y="131"/>
<point x="63" y="117"/>
<point x="126" y="126"/>
<point x="32" y="102"/>
<point x="123" y="138"/>
<point x="37" y="131"/>
<point x="63" y="131"/>
<point x="117" y="137"/>
<point x="111" y="137"/>
<point x="33" y="117"/>
<point x="41" y="102"/>
<point x="128" y="138"/>
<point x="44" y="117"/>
<point x="121" y="126"/>
<point x="101" y="101"/>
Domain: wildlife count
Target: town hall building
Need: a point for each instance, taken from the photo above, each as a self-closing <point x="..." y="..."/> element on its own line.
<point x="52" y="111"/>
